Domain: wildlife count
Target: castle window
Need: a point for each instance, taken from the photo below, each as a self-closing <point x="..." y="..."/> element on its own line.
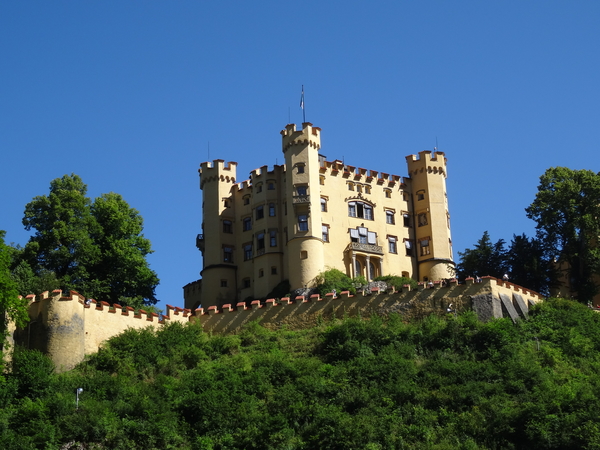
<point x="260" y="212"/>
<point x="302" y="222"/>
<point x="404" y="196"/>
<point x="303" y="254"/>
<point x="425" y="248"/>
<point x="301" y="190"/>
<point x="247" y="224"/>
<point x="226" y="203"/>
<point x="361" y="210"/>
<point x="271" y="209"/>
<point x="260" y="241"/>
<point x="259" y="188"/>
<point x="367" y="189"/>
<point x="246" y="200"/>
<point x="325" y="233"/>
<point x="363" y="236"/>
<point x="406" y="219"/>
<point x="421" y="195"/>
<point x="392" y="247"/>
<point x="246" y="283"/>
<point x="405" y="275"/>
<point x="350" y="186"/>
<point x="389" y="217"/>
<point x="388" y="193"/>
<point x="261" y="273"/>
<point x="323" y="205"/>
<point x="247" y="252"/>
<point x="300" y="168"/>
<point x="448" y="219"/>
<point x="285" y="208"/>
<point x="273" y="238"/>
<point x="358" y="188"/>
<point x="223" y="283"/>
<point x="273" y="270"/>
<point x="228" y="254"/>
<point x="271" y="186"/>
<point x="321" y="180"/>
<point x="422" y="218"/>
<point x="408" y="246"/>
<point x="227" y="226"/>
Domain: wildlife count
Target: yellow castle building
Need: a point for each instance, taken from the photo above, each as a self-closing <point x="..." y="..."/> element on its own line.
<point x="311" y="214"/>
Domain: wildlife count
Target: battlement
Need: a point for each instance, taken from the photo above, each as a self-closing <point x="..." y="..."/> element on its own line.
<point x="68" y="326"/>
<point x="309" y="135"/>
<point x="217" y="171"/>
<point x="360" y="174"/>
<point x="489" y="298"/>
<point x="433" y="162"/>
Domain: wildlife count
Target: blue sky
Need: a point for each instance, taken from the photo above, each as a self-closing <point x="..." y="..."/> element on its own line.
<point x="128" y="94"/>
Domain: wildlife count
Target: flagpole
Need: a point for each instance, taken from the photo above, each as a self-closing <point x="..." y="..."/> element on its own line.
<point x="302" y="106"/>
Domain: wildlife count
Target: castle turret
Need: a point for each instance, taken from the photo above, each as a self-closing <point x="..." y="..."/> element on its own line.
<point x="432" y="219"/>
<point x="301" y="151"/>
<point x="219" y="265"/>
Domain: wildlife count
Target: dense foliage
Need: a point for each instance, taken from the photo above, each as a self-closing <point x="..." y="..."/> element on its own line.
<point x="443" y="383"/>
<point x="525" y="262"/>
<point x="93" y="247"/>
<point x="566" y="209"/>
<point x="11" y="307"/>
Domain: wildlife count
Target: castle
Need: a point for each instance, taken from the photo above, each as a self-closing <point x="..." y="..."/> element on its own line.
<point x="293" y="222"/>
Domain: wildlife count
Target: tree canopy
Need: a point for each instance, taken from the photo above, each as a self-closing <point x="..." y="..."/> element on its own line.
<point x="94" y="247"/>
<point x="567" y="211"/>
<point x="11" y="307"/>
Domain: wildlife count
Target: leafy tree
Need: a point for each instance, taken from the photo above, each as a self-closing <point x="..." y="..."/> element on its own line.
<point x="485" y="259"/>
<point x="11" y="307"/>
<point x="121" y="272"/>
<point x="567" y="211"/>
<point x="96" y="248"/>
<point x="397" y="282"/>
<point x="528" y="264"/>
<point x="62" y="242"/>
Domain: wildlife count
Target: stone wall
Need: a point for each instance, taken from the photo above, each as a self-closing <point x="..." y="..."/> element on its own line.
<point x="68" y="327"/>
<point x="489" y="298"/>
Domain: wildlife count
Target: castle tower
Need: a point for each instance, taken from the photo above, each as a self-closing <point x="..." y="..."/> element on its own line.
<point x="432" y="219"/>
<point x="305" y="246"/>
<point x="218" y="252"/>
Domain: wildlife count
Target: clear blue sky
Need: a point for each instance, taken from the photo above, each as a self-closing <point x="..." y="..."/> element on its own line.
<point x="128" y="94"/>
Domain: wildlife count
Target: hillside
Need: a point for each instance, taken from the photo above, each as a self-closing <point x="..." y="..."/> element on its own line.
<point x="441" y="383"/>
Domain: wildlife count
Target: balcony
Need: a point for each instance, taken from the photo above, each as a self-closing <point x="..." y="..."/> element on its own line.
<point x="200" y="242"/>
<point x="300" y="199"/>
<point x="367" y="248"/>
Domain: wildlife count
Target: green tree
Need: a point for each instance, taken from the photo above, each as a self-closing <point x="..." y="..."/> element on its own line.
<point x="62" y="242"/>
<point x="122" y="272"/>
<point x="567" y="211"/>
<point x="96" y="248"/>
<point x="12" y="308"/>
<point x="528" y="265"/>
<point x="485" y="259"/>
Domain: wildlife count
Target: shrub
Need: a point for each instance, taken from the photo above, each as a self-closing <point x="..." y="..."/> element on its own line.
<point x="332" y="279"/>
<point x="397" y="282"/>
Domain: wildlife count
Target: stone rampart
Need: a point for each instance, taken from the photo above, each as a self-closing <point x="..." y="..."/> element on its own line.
<point x="488" y="297"/>
<point x="68" y="327"/>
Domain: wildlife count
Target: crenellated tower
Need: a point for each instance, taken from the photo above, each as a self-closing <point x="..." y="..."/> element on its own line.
<point x="432" y="219"/>
<point x="305" y="246"/>
<point x="217" y="181"/>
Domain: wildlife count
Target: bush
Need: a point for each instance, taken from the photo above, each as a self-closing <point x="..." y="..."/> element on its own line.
<point x="397" y="282"/>
<point x="334" y="279"/>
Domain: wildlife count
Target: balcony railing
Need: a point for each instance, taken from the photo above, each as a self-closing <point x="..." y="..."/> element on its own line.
<point x="299" y="199"/>
<point x="367" y="248"/>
